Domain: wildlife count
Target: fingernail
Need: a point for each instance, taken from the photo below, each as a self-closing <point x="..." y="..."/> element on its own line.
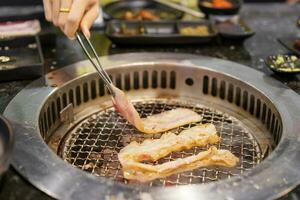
<point x="86" y="33"/>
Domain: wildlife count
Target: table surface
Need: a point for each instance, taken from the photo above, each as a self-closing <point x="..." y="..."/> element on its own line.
<point x="269" y="21"/>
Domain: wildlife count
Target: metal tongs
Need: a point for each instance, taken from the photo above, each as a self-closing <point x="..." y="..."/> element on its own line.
<point x="120" y="101"/>
<point x="108" y="82"/>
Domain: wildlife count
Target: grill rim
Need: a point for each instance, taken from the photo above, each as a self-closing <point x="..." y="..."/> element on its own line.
<point x="285" y="168"/>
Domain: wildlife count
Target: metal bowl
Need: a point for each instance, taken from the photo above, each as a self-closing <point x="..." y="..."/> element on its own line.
<point x="271" y="64"/>
<point x="116" y="9"/>
<point x="221" y="11"/>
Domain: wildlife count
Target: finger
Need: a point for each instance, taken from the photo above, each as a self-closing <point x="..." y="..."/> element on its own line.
<point x="88" y="20"/>
<point x="55" y="11"/>
<point x="77" y="11"/>
<point x="48" y="10"/>
<point x="62" y="18"/>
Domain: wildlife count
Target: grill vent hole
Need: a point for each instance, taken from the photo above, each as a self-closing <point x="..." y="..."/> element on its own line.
<point x="53" y="112"/>
<point x="245" y="100"/>
<point x="252" y="104"/>
<point x="119" y="81"/>
<point x="93" y="89"/>
<point x="145" y="80"/>
<point x="58" y="106"/>
<point x="238" y="96"/>
<point x="173" y="80"/>
<point x="78" y="96"/>
<point x="269" y="119"/>
<point x="101" y="88"/>
<point x="258" y="107"/>
<point x="222" y="90"/>
<point x="136" y="80"/>
<point x="230" y="93"/>
<point x="154" y="79"/>
<point x="189" y="81"/>
<point x="163" y="79"/>
<point x="264" y="112"/>
<point x="205" y="84"/>
<point x="127" y="82"/>
<point x="46" y="122"/>
<point x="272" y="124"/>
<point x="214" y="87"/>
<point x="49" y="117"/>
<point x="71" y="96"/>
<point x="64" y="97"/>
<point x="85" y="92"/>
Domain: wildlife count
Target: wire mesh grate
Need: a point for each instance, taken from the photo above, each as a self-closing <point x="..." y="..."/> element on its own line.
<point x="94" y="143"/>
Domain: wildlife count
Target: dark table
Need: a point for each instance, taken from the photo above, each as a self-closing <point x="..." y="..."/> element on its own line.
<point x="270" y="21"/>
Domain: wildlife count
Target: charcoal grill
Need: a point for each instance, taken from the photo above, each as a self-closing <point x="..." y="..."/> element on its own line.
<point x="68" y="134"/>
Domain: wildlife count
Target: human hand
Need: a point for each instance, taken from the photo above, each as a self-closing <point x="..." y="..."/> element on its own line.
<point x="292" y="2"/>
<point x="70" y="15"/>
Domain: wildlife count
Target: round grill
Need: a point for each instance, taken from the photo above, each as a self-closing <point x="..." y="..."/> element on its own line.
<point x="76" y="121"/>
<point x="93" y="144"/>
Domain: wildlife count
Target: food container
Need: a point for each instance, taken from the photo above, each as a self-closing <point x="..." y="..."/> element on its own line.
<point x="234" y="31"/>
<point x="160" y="32"/>
<point x="207" y="7"/>
<point x="118" y="10"/>
<point x="21" y="58"/>
<point x="284" y="64"/>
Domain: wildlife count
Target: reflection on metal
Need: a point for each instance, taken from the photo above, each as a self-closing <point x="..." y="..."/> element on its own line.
<point x="266" y="152"/>
<point x="249" y="109"/>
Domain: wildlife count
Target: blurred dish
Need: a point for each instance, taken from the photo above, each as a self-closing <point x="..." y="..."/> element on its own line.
<point x="182" y="8"/>
<point x="297" y="44"/>
<point x="219" y="4"/>
<point x="141" y="15"/>
<point x="234" y="31"/>
<point x="220" y="7"/>
<point x="21" y="58"/>
<point x="140" y="10"/>
<point x="285" y="64"/>
<point x="200" y="30"/>
<point x="160" y="32"/>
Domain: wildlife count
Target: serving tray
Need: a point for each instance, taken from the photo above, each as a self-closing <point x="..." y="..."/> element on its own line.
<point x="160" y="32"/>
<point x="21" y="58"/>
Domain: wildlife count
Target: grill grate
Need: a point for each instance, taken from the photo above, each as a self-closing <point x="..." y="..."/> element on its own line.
<point x="93" y="144"/>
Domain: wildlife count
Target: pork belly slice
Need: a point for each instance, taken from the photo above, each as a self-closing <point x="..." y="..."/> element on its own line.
<point x="169" y="119"/>
<point x="134" y="170"/>
<point x="154" y="149"/>
<point x="155" y="123"/>
<point x="133" y="154"/>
